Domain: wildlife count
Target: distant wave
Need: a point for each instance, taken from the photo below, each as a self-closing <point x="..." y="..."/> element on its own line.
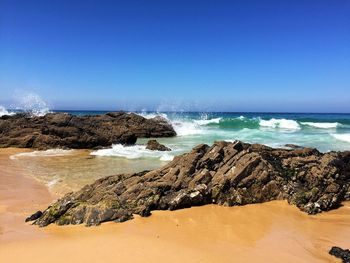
<point x="47" y="153"/>
<point x="133" y="152"/>
<point x="342" y="137"/>
<point x="280" y="123"/>
<point x="322" y="125"/>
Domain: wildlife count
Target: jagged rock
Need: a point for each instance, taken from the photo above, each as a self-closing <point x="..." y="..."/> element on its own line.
<point x="343" y="254"/>
<point x="154" y="145"/>
<point x="62" y="130"/>
<point x="225" y="173"/>
<point x="34" y="216"/>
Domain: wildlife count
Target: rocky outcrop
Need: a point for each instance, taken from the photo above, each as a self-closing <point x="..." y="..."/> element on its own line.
<point x="34" y="216"/>
<point x="225" y="173"/>
<point x="61" y="130"/>
<point x="343" y="254"/>
<point x="154" y="145"/>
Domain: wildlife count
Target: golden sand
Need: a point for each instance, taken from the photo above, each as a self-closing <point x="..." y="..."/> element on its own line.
<point x="270" y="232"/>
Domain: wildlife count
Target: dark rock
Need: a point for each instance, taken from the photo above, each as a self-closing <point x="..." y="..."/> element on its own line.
<point x="156" y="146"/>
<point x="293" y="146"/>
<point x="343" y="254"/>
<point x="34" y="216"/>
<point x="61" y="130"/>
<point x="225" y="173"/>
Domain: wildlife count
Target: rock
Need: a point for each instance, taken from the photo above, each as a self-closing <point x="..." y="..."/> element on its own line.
<point x="343" y="254"/>
<point x="156" y="146"/>
<point x="62" y="130"/>
<point x="293" y="146"/>
<point x="226" y="173"/>
<point x="34" y="216"/>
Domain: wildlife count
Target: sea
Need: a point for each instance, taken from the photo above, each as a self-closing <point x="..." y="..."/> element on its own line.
<point x="67" y="170"/>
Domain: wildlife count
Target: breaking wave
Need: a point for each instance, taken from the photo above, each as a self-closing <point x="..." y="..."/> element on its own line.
<point x="322" y="125"/>
<point x="4" y="112"/>
<point x="345" y="137"/>
<point x="206" y="122"/>
<point x="280" y="124"/>
<point x="133" y="152"/>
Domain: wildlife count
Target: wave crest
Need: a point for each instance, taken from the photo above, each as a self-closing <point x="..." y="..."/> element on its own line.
<point x="206" y="122"/>
<point x="280" y="123"/>
<point x="322" y="125"/>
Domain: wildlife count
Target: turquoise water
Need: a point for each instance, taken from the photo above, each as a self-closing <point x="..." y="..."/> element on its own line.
<point x="323" y="131"/>
<point x="326" y="132"/>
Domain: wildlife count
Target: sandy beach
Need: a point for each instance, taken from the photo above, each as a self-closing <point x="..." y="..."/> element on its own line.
<point x="270" y="232"/>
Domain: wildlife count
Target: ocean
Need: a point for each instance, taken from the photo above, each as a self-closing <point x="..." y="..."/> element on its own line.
<point x="68" y="170"/>
<point x="326" y="132"/>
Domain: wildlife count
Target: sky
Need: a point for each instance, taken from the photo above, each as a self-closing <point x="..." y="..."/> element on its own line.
<point x="252" y="55"/>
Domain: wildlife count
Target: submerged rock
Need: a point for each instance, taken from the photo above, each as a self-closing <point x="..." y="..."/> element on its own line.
<point x="226" y="173"/>
<point x="343" y="254"/>
<point x="62" y="130"/>
<point x="154" y="145"/>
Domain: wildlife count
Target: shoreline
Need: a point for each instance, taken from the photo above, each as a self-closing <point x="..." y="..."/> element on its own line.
<point x="252" y="233"/>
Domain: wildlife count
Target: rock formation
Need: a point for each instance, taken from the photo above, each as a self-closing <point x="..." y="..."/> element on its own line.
<point x="225" y="173"/>
<point x="61" y="130"/>
<point x="343" y="254"/>
<point x="154" y="145"/>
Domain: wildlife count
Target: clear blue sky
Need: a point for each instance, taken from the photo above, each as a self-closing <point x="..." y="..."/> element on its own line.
<point x="194" y="55"/>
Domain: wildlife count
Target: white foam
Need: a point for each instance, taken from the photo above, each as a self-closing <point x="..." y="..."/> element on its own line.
<point x="185" y="128"/>
<point x="3" y="111"/>
<point x="322" y="125"/>
<point x="342" y="137"/>
<point x="47" y="153"/>
<point x="280" y="123"/>
<point x="206" y="122"/>
<point x="133" y="152"/>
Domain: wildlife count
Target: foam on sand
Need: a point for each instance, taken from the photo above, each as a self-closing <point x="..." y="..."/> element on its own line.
<point x="322" y="125"/>
<point x="133" y="152"/>
<point x="280" y="124"/>
<point x="47" y="153"/>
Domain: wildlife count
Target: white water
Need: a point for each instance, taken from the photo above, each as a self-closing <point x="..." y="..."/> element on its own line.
<point x="280" y="124"/>
<point x="3" y="111"/>
<point x="322" y="125"/>
<point x="342" y="137"/>
<point x="206" y="122"/>
<point x="134" y="152"/>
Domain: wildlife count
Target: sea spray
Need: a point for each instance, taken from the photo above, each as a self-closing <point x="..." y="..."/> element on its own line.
<point x="4" y="111"/>
<point x="31" y="103"/>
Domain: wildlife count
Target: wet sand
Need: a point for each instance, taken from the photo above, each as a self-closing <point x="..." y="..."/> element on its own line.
<point x="270" y="232"/>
